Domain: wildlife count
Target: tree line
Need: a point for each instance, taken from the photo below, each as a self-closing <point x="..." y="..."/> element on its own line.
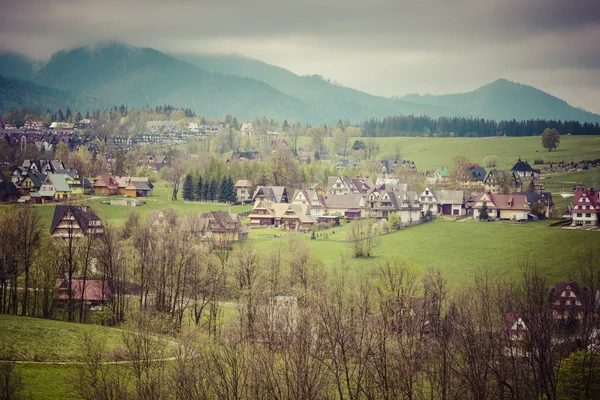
<point x="412" y="125"/>
<point x="209" y="190"/>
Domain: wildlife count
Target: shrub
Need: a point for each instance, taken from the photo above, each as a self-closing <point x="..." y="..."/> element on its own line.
<point x="490" y="161"/>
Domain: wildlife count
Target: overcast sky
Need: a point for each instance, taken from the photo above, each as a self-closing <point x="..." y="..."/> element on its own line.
<point x="385" y="47"/>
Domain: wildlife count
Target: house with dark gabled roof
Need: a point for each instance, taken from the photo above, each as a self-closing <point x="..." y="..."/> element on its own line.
<point x="295" y="217"/>
<point x="525" y="171"/>
<point x="571" y="303"/>
<point x="542" y="198"/>
<point x="8" y="191"/>
<point x="348" y="185"/>
<point x="221" y="227"/>
<point x="405" y="204"/>
<point x="75" y="222"/>
<point x="276" y="194"/>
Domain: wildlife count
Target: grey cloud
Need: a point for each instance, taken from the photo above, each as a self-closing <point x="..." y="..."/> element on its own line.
<point x="389" y="47"/>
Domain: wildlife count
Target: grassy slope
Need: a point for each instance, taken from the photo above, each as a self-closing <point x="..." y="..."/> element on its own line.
<point x="429" y="153"/>
<point x="460" y="249"/>
<point x="159" y="201"/>
<point x="33" y="339"/>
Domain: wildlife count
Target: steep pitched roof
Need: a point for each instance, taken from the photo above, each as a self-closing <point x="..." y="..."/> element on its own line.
<point x="273" y="193"/>
<point x="476" y="172"/>
<point x="37" y="179"/>
<point x="523" y="166"/>
<point x="82" y="214"/>
<point x="590" y="198"/>
<point x="7" y="188"/>
<point x="106" y="181"/>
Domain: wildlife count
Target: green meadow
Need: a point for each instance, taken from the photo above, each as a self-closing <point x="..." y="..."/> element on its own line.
<point x="460" y="249"/>
<point x="429" y="153"/>
<point x="35" y="339"/>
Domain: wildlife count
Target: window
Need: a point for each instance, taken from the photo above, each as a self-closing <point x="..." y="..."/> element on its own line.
<point x="588" y="215"/>
<point x="579" y="215"/>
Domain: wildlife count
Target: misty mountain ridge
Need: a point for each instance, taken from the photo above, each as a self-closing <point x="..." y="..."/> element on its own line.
<point x="215" y="85"/>
<point x="507" y="100"/>
<point x="20" y="93"/>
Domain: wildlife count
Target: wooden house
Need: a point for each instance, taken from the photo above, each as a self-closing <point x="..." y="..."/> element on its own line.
<point x="95" y="292"/>
<point x="106" y="185"/>
<point x="275" y="194"/>
<point x="571" y="303"/>
<point x="75" y="222"/>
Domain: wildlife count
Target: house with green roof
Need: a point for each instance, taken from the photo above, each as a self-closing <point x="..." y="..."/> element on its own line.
<point x="55" y="187"/>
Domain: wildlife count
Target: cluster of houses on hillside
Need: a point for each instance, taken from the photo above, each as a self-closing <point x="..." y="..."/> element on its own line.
<point x="356" y="198"/>
<point x="43" y="181"/>
<point x="475" y="177"/>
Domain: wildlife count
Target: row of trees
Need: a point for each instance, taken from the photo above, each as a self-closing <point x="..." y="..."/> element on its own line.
<point x="204" y="190"/>
<point x="462" y="127"/>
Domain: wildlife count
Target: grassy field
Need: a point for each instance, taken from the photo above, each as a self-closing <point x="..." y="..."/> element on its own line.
<point x="460" y="248"/>
<point x="158" y="201"/>
<point x="430" y="153"/>
<point x="34" y="339"/>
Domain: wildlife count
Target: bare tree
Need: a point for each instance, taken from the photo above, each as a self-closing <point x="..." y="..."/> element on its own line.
<point x="178" y="168"/>
<point x="96" y="380"/>
<point x="190" y="376"/>
<point x="362" y="238"/>
<point x="147" y="349"/>
<point x="28" y="236"/>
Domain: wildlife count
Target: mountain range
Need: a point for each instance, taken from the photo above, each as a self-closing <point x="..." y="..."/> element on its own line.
<point x="114" y="74"/>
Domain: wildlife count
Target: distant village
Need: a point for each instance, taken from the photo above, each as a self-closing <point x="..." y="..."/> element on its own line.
<point x="348" y="198"/>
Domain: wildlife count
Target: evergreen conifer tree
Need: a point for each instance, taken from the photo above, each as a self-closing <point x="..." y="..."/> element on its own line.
<point x="198" y="189"/>
<point x="188" y="188"/>
<point x="232" y="197"/>
<point x="222" y="197"/>
<point x="212" y="190"/>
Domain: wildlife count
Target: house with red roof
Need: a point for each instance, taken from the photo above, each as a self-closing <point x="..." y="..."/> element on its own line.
<point x="514" y="207"/>
<point x="586" y="206"/>
<point x="94" y="292"/>
<point x="106" y="185"/>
